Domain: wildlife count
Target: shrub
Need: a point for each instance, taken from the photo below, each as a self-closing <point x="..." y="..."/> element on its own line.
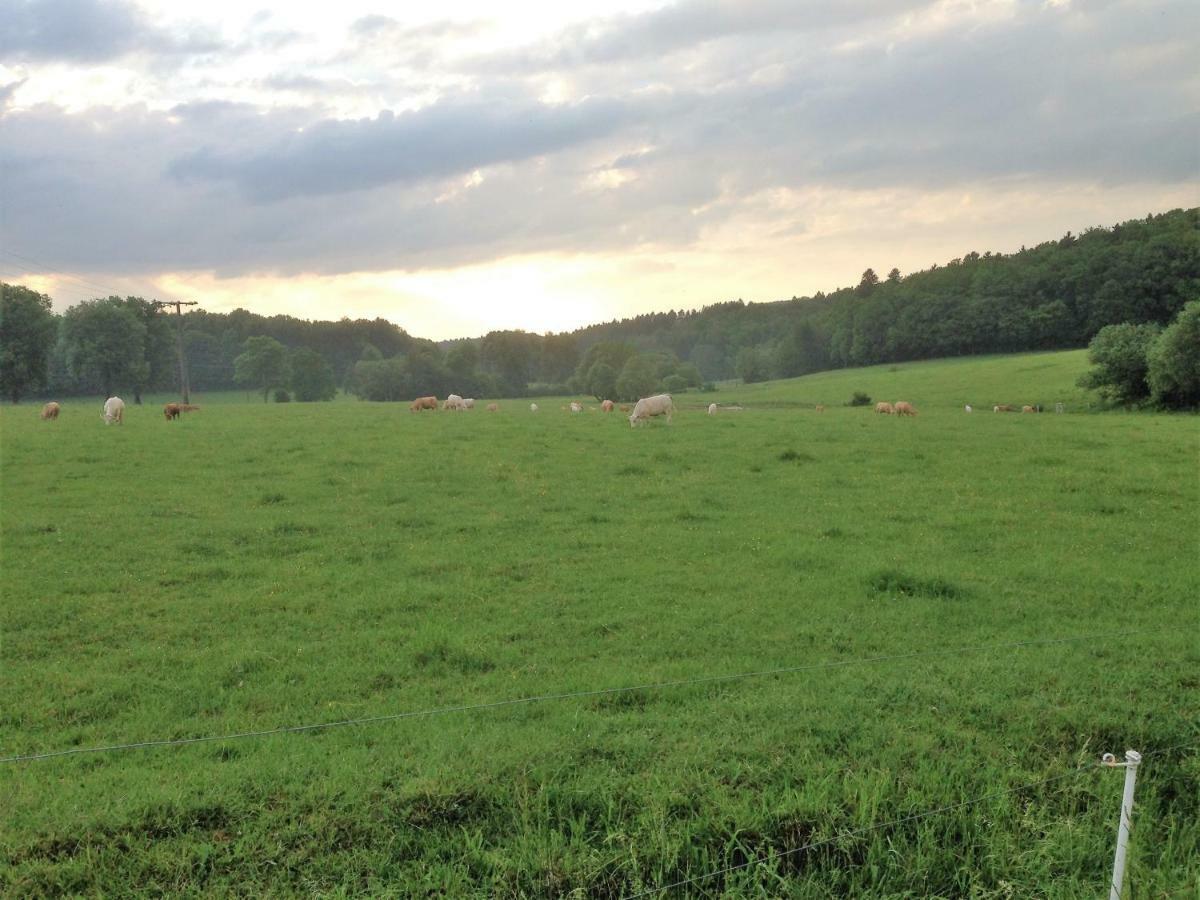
<point x="859" y="399"/>
<point x="282" y="396"/>
<point x="674" y="384"/>
<point x="1118" y="353"/>
<point x="1173" y="361"/>
<point x="708" y="388"/>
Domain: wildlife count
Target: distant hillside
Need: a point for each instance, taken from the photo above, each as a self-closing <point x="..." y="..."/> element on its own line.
<point x="1055" y="295"/>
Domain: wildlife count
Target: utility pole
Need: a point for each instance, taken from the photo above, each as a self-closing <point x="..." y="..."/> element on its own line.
<point x="184" y="387"/>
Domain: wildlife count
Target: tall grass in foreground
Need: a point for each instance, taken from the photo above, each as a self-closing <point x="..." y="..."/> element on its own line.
<point x="254" y="566"/>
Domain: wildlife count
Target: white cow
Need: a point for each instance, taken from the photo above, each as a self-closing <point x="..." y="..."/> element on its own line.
<point x="114" y="411"/>
<point x="453" y="402"/>
<point x="469" y="403"/>
<point x="576" y="407"/>
<point x="967" y="408"/>
<point x="533" y="407"/>
<point x="647" y="407"/>
<point x="712" y="409"/>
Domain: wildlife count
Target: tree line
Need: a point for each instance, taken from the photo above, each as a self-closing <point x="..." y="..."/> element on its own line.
<point x="1055" y="295"/>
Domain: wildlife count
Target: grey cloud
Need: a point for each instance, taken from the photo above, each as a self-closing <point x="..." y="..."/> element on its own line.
<point x="449" y="137"/>
<point x="80" y="30"/>
<point x="685" y="25"/>
<point x="96" y="31"/>
<point x="1041" y="98"/>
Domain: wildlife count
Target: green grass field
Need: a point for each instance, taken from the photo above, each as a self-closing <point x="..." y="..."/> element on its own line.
<point x="254" y="566"/>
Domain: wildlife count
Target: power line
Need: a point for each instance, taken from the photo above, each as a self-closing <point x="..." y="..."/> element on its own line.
<point x="34" y="267"/>
<point x="540" y="698"/>
<point x="780" y="854"/>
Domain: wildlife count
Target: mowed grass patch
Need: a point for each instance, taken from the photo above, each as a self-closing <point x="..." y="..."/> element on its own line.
<point x="266" y="565"/>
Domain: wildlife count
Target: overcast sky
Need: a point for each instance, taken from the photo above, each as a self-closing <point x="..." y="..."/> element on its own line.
<point x="544" y="169"/>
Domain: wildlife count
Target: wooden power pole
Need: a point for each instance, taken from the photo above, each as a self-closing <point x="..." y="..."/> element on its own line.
<point x="184" y="387"/>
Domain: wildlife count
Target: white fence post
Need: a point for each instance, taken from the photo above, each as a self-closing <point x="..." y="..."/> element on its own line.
<point x="1132" y="760"/>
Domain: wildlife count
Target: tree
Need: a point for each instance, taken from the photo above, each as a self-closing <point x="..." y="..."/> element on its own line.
<point x="867" y="283"/>
<point x="157" y="346"/>
<point x="1119" y="354"/>
<point x="28" y="330"/>
<point x="1173" y="361"/>
<point x="106" y="344"/>
<point x="752" y="365"/>
<point x="601" y="381"/>
<point x="638" y="378"/>
<point x="262" y="364"/>
<point x="383" y="379"/>
<point x="312" y="377"/>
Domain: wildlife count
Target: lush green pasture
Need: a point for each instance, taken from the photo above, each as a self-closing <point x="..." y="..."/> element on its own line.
<point x="254" y="566"/>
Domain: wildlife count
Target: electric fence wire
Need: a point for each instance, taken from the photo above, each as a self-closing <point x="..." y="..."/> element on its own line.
<point x="568" y="695"/>
<point x="769" y="857"/>
<point x="866" y="829"/>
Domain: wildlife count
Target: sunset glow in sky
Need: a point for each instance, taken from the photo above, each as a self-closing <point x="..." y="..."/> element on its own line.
<point x="563" y="164"/>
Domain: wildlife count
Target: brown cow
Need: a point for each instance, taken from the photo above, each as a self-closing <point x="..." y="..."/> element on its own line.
<point x="492" y="407"/>
<point x="607" y="406"/>
<point x="884" y="408"/>
<point x="50" y="411"/>
<point x="1026" y="409"/>
<point x="904" y="408"/>
<point x="424" y="403"/>
<point x="820" y="407"/>
<point x="171" y="411"/>
<point x="1004" y="407"/>
<point x="625" y="407"/>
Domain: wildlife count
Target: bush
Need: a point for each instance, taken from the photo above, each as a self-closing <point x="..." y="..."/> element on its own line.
<point x="1173" y="361"/>
<point x="859" y="399"/>
<point x="674" y="384"/>
<point x="1118" y="353"/>
<point x="282" y="396"/>
<point x="708" y="388"/>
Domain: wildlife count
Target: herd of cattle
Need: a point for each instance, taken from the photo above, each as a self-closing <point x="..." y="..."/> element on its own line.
<point x="643" y="411"/>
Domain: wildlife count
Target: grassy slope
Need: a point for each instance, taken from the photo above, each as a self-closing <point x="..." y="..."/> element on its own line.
<point x="254" y="566"/>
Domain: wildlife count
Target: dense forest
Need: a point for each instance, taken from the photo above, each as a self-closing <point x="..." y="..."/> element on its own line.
<point x="1057" y="294"/>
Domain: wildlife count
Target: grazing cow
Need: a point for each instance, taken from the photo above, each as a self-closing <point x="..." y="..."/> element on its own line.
<point x="648" y="407"/>
<point x="492" y="407"/>
<point x="172" y="411"/>
<point x="904" y="408"/>
<point x="533" y="407"/>
<point x="607" y="406"/>
<point x="820" y="407"/>
<point x="967" y="408"/>
<point x="1026" y="409"/>
<point x="712" y="409"/>
<point x="453" y="402"/>
<point x="50" y="411"/>
<point x="885" y="408"/>
<point x="424" y="403"/>
<point x="576" y="407"/>
<point x="1004" y="407"/>
<point x="469" y="403"/>
<point x="114" y="411"/>
<point x="625" y="407"/>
